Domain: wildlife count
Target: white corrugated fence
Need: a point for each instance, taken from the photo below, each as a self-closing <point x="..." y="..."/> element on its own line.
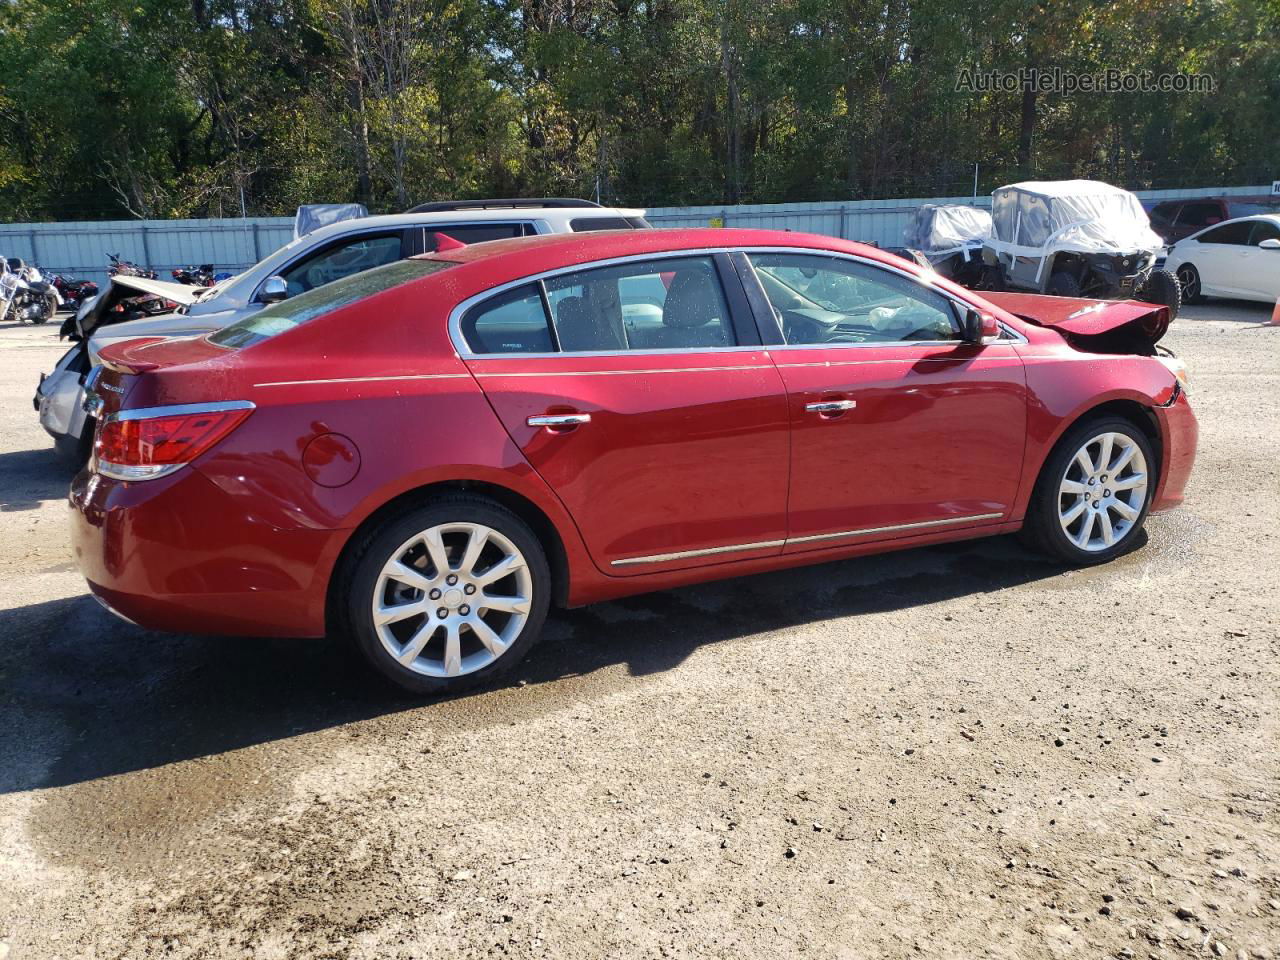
<point x="80" y="249"/>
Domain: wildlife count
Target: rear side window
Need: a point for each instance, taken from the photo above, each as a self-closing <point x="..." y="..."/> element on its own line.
<point x="511" y="322"/>
<point x="583" y="224"/>
<point x="667" y="303"/>
<point x="470" y="233"/>
<point x="287" y="314"/>
<point x="1237" y="232"/>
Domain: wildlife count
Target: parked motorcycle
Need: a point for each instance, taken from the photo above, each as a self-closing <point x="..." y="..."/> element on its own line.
<point x="25" y="296"/>
<point x="74" y="292"/>
<point x="128" y="268"/>
<point x="201" y="276"/>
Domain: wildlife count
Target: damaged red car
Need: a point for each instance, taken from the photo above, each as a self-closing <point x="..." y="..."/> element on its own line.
<point x="425" y="457"/>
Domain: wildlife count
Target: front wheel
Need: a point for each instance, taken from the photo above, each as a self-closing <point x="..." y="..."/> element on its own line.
<point x="1063" y="284"/>
<point x="448" y="596"/>
<point x="1093" y="493"/>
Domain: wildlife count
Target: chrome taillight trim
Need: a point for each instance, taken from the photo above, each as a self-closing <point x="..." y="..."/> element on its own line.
<point x="130" y="472"/>
<point x="180" y="410"/>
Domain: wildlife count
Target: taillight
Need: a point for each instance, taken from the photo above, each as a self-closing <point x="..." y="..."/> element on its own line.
<point x="153" y="442"/>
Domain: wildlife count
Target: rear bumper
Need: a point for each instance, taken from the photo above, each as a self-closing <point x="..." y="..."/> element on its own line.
<point x="176" y="554"/>
<point x="1181" y="432"/>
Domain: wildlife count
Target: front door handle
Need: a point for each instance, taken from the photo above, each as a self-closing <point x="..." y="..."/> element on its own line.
<point x="830" y="406"/>
<point x="554" y="420"/>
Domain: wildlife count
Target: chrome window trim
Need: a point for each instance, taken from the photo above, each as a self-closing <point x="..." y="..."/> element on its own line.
<point x="179" y="410"/>
<point x="465" y="352"/>
<point x="812" y="538"/>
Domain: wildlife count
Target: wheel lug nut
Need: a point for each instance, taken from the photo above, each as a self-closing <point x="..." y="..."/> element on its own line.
<point x="469" y="589"/>
<point x="464" y="610"/>
<point x="442" y="613"/>
<point x="451" y="579"/>
<point x="434" y="594"/>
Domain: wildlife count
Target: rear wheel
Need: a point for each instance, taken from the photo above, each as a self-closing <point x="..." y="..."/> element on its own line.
<point x="1189" y="281"/>
<point x="1092" y="497"/>
<point x="1063" y="284"/>
<point x="448" y="596"/>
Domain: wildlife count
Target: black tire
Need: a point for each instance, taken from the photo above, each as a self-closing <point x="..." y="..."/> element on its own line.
<point x="1043" y="529"/>
<point x="1189" y="284"/>
<point x="51" y="308"/>
<point x="363" y="572"/>
<point x="1162" y="287"/>
<point x="1063" y="284"/>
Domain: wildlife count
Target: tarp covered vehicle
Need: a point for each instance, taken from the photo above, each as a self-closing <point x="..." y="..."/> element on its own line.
<point x="951" y="237"/>
<point x="1077" y="238"/>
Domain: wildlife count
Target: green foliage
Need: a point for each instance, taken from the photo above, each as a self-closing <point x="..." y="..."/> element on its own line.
<point x="161" y="108"/>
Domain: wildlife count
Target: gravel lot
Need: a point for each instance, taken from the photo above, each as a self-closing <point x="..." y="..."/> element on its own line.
<point x="953" y="752"/>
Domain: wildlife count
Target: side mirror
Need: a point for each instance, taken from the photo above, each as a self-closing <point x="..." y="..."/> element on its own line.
<point x="274" y="289"/>
<point x="1271" y="243"/>
<point x="976" y="326"/>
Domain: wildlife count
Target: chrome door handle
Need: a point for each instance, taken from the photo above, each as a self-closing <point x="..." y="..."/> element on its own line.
<point x="831" y="406"/>
<point x="559" y="420"/>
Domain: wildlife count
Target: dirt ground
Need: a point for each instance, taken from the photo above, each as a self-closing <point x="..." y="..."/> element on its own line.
<point x="952" y="752"/>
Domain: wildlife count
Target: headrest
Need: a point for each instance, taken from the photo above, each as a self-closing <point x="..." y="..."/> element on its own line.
<point x="693" y="300"/>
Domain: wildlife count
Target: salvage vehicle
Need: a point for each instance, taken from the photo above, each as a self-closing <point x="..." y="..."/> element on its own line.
<point x="59" y="398"/>
<point x="1240" y="258"/>
<point x="951" y="237"/>
<point x="318" y="256"/>
<point x="542" y="420"/>
<point x="1077" y="238"/>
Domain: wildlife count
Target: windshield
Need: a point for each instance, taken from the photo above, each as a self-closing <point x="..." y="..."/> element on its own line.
<point x="293" y="312"/>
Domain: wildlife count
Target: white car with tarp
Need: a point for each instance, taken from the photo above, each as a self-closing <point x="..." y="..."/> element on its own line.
<point x="1077" y="238"/>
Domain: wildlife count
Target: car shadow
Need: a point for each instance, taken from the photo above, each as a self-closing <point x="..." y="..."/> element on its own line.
<point x="126" y="699"/>
<point x="32" y="477"/>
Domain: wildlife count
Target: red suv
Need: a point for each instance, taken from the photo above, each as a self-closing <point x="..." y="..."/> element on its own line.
<point x="427" y="455"/>
<point x="1176" y="219"/>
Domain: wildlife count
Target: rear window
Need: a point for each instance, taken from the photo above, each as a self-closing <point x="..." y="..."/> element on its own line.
<point x="294" y="311"/>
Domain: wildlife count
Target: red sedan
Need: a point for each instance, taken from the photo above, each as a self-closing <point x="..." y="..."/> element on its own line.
<point x="428" y="455"/>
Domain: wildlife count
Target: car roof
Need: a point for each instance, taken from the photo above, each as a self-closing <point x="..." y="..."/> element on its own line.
<point x="501" y="261"/>
<point x="498" y="215"/>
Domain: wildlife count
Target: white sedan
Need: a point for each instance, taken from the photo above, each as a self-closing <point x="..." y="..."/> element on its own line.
<point x="1239" y="258"/>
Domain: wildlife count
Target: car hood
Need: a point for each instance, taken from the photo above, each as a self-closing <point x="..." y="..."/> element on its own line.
<point x="1083" y="320"/>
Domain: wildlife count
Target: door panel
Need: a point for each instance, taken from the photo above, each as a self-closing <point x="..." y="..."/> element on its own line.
<point x="898" y="427"/>
<point x="936" y="438"/>
<point x="684" y="453"/>
<point x="675" y="450"/>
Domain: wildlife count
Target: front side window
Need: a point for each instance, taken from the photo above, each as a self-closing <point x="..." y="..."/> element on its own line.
<point x="823" y="300"/>
<point x="1229" y="233"/>
<point x="1263" y="230"/>
<point x="1199" y="214"/>
<point x="342" y="260"/>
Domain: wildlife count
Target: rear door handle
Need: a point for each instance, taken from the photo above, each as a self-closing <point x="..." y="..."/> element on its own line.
<point x="559" y="420"/>
<point x="831" y="406"/>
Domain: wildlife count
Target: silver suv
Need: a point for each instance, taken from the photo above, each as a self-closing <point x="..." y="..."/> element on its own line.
<point x="312" y="260"/>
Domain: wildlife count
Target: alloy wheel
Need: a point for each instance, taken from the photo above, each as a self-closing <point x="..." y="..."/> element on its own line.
<point x="1190" y="281"/>
<point x="452" y="599"/>
<point x="1103" y="492"/>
